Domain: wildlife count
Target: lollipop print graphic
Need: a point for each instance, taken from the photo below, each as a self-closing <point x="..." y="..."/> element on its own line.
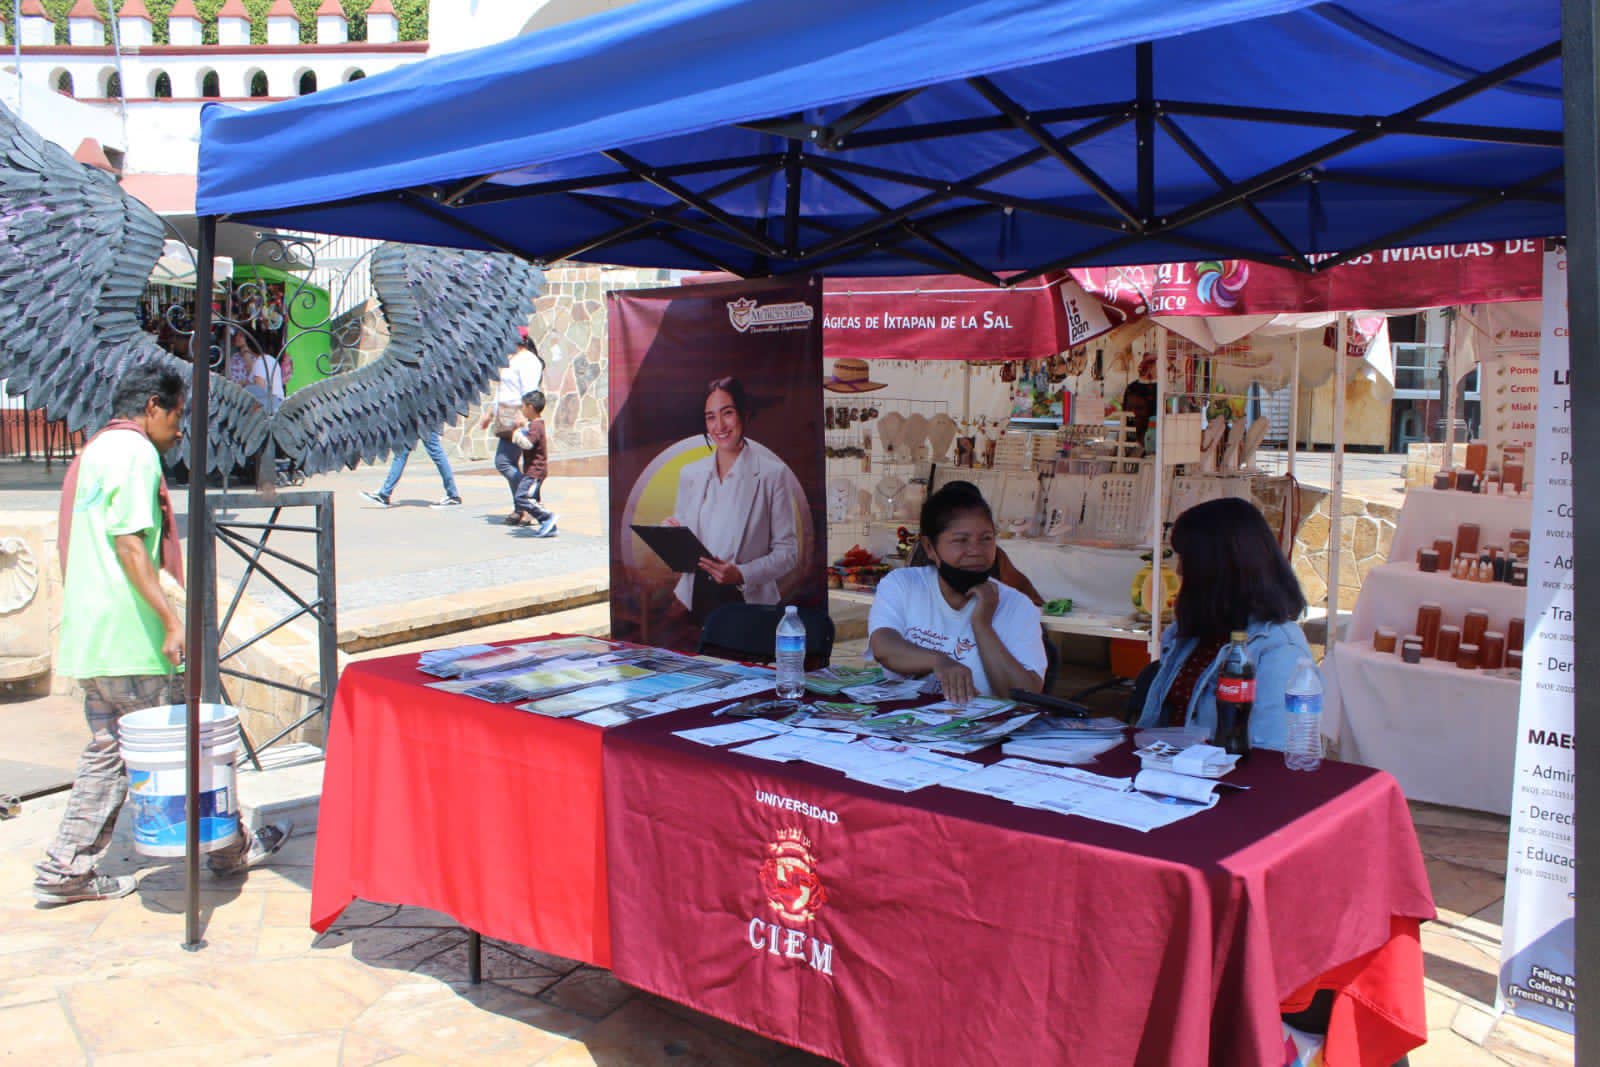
<point x="1221" y="281"/>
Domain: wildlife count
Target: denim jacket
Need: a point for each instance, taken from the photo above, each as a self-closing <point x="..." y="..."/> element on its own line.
<point x="1275" y="648"/>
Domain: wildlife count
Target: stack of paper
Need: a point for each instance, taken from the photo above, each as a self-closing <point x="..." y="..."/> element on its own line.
<point x="1200" y="761"/>
<point x="1057" y="740"/>
<point x="439" y="662"/>
<point x="835" y="680"/>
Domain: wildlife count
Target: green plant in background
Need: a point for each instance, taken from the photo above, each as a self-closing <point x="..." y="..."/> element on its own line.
<point x="413" y="16"/>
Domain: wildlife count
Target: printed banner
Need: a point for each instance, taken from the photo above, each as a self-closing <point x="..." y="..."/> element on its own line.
<point x="951" y="317"/>
<point x="1537" y="968"/>
<point x="716" y="454"/>
<point x="1436" y="276"/>
<point x="1509" y="373"/>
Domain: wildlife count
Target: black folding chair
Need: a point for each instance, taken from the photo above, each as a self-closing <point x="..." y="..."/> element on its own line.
<point x="749" y="632"/>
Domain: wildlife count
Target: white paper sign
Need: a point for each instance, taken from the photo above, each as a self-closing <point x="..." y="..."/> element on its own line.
<point x="1537" y="964"/>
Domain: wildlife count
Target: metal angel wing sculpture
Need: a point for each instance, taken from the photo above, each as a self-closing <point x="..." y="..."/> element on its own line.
<point x="76" y="253"/>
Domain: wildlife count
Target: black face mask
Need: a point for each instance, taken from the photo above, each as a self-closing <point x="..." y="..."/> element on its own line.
<point x="964" y="581"/>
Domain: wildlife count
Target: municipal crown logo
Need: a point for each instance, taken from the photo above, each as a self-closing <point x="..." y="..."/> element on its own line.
<point x="789" y="878"/>
<point x="740" y="312"/>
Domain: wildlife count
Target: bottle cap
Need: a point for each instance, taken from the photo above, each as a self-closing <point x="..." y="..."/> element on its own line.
<point x="1238" y="636"/>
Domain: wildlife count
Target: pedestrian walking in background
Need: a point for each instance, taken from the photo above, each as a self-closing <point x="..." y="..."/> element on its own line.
<point x="523" y="374"/>
<point x="534" y="464"/>
<point x="432" y="445"/>
<point x="120" y="637"/>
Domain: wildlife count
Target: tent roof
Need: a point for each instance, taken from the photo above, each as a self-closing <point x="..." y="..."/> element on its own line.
<point x="966" y="136"/>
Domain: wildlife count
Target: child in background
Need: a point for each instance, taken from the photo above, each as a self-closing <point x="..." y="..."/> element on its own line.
<point x="530" y="438"/>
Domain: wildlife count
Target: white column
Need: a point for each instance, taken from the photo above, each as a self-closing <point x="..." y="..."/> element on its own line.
<point x="135" y="31"/>
<point x="183" y="30"/>
<point x="86" y="31"/>
<point x="233" y="25"/>
<point x="382" y="29"/>
<point x="37" y="27"/>
<point x="332" y="29"/>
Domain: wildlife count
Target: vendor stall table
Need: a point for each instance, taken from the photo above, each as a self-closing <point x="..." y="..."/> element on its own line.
<point x="880" y="928"/>
<point x="485" y="813"/>
<point x="1431" y="513"/>
<point x="1447" y="735"/>
<point x="918" y="924"/>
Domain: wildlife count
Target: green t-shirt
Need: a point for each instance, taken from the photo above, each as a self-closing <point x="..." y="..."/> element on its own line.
<point x="107" y="629"/>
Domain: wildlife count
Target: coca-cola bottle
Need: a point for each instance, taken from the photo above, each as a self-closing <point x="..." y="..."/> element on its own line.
<point x="1236" y="695"/>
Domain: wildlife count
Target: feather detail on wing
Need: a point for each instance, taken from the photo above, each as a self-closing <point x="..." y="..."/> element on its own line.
<point x="75" y="254"/>
<point x="452" y="324"/>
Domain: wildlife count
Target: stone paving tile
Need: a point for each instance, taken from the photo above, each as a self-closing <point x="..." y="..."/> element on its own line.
<point x="1484" y="850"/>
<point x="499" y="961"/>
<point x="588" y="991"/>
<point x="40" y="1033"/>
<point x="254" y="1002"/>
<point x="281" y="1050"/>
<point x="1463" y="889"/>
<point x="483" y="1025"/>
<point x="642" y="1035"/>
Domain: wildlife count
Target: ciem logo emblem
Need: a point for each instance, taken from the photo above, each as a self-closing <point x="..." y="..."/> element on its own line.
<point x="795" y="894"/>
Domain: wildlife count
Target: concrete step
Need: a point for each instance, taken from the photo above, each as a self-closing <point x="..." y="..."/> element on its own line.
<point x="289" y="784"/>
<point x="394" y="625"/>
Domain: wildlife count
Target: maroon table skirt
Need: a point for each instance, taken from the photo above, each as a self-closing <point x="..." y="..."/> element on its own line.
<point x="942" y="927"/>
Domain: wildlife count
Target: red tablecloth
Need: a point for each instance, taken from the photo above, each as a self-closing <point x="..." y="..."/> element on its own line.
<point x="488" y="814"/>
<point x="960" y="928"/>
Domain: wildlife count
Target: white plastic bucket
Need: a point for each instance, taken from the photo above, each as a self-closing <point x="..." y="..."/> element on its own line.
<point x="152" y="743"/>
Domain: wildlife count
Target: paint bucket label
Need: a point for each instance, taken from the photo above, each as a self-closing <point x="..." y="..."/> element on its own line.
<point x="158" y="809"/>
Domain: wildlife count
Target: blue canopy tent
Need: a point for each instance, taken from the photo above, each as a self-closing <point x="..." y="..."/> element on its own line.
<point x="993" y="138"/>
<point x="978" y="137"/>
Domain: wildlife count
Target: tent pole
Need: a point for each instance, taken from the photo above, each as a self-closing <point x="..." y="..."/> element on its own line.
<point x="1336" y="478"/>
<point x="197" y="586"/>
<point x="1449" y="458"/>
<point x="1294" y="401"/>
<point x="1580" y="69"/>
<point x="1156" y="585"/>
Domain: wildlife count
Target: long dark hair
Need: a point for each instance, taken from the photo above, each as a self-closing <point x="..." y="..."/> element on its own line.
<point x="1234" y="573"/>
<point x="942" y="507"/>
<point x="741" y="403"/>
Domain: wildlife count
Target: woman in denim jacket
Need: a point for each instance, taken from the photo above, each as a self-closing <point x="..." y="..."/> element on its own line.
<point x="1235" y="577"/>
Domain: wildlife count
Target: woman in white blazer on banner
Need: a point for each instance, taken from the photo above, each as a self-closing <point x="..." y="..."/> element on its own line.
<point x="740" y="502"/>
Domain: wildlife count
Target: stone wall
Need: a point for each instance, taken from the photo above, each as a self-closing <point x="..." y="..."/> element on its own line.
<point x="569" y="326"/>
<point x="1366" y="533"/>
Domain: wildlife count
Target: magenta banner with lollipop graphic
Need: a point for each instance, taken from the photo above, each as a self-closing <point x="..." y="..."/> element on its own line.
<point x="1479" y="273"/>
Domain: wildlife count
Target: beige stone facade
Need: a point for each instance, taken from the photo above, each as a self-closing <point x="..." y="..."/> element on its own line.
<point x="569" y="326"/>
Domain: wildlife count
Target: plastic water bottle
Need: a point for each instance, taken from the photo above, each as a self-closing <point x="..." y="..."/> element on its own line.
<point x="1304" y="701"/>
<point x="791" y="652"/>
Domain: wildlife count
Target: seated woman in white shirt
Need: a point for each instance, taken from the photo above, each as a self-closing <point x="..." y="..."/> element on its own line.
<point x="740" y="502"/>
<point x="950" y="618"/>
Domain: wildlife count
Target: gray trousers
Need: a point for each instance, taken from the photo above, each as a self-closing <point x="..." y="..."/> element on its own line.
<point x="101" y="784"/>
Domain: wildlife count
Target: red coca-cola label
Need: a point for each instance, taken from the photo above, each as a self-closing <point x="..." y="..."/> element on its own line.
<point x="1237" y="690"/>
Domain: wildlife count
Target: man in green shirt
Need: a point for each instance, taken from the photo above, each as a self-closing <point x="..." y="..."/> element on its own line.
<point x="120" y="637"/>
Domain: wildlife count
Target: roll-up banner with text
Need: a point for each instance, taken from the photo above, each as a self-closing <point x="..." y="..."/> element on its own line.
<point x="1537" y="972"/>
<point x="716" y="454"/>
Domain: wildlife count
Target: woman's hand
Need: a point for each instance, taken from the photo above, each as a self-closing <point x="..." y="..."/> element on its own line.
<point x="956" y="681"/>
<point x="670" y="521"/>
<point x="985" y="598"/>
<point x="722" y="573"/>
